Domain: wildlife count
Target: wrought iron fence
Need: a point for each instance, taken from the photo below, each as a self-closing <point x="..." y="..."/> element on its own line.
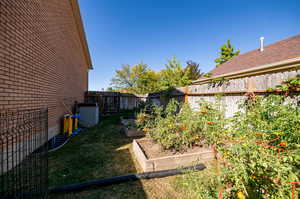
<point x="23" y="154"/>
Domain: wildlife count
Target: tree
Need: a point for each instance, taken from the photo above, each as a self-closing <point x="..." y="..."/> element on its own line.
<point x="140" y="79"/>
<point x="110" y="89"/>
<point x="135" y="79"/>
<point x="125" y="78"/>
<point x="194" y="70"/>
<point x="227" y="53"/>
<point x="148" y="82"/>
<point x="122" y="80"/>
<point x="174" y="75"/>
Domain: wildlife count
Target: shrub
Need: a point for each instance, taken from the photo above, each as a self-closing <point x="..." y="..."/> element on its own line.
<point x="288" y="86"/>
<point x="259" y="155"/>
<point x="211" y="119"/>
<point x="179" y="130"/>
<point x="146" y="116"/>
<point x="174" y="130"/>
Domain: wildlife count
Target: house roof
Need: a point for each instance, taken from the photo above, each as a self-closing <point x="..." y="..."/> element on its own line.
<point x="276" y="52"/>
<point x="80" y="28"/>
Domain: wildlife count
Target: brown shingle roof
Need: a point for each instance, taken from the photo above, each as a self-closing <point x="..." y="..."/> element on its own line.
<point x="279" y="51"/>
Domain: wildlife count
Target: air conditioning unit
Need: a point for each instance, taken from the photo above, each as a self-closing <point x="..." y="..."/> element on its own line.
<point x="89" y="114"/>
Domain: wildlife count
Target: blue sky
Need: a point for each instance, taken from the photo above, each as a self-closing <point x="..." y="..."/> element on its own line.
<point x="130" y="31"/>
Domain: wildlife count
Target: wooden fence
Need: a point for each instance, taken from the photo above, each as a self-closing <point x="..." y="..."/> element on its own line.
<point x="114" y="102"/>
<point x="233" y="89"/>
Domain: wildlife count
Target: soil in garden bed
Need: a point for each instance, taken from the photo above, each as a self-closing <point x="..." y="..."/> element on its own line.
<point x="154" y="150"/>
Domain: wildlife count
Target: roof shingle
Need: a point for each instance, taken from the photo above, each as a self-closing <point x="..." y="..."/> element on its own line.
<point x="279" y="51"/>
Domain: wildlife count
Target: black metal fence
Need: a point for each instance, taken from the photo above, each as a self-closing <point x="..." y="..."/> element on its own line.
<point x="23" y="154"/>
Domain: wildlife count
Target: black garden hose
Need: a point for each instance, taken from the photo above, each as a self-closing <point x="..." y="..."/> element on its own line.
<point x="126" y="178"/>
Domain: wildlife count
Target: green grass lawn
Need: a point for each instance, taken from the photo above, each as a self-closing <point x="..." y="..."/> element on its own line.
<point x="98" y="152"/>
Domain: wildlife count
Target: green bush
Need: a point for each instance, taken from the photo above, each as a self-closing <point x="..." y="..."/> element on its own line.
<point x="258" y="156"/>
<point x="258" y="148"/>
<point x="177" y="127"/>
<point x="288" y="86"/>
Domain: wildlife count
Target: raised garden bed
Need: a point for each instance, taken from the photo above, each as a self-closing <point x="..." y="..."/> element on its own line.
<point x="129" y="127"/>
<point x="152" y="158"/>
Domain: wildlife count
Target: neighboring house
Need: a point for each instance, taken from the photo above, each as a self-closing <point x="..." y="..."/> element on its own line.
<point x="271" y="57"/>
<point x="44" y="57"/>
<point x="252" y="72"/>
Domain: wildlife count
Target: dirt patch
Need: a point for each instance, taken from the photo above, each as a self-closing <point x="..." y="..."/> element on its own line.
<point x="154" y="150"/>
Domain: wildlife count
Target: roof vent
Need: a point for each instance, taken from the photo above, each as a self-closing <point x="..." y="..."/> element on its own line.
<point x="261" y="44"/>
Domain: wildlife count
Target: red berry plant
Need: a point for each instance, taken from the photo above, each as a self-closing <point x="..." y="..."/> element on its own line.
<point x="177" y="127"/>
<point x="258" y="156"/>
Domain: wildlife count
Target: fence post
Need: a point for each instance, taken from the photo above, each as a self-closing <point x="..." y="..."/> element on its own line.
<point x="186" y="94"/>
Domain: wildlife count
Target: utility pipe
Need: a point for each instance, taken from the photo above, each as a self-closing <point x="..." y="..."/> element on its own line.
<point x="126" y="178"/>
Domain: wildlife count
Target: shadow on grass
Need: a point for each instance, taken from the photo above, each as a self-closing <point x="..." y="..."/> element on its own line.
<point x="98" y="152"/>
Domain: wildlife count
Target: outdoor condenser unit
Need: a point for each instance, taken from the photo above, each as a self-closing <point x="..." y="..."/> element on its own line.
<point x="89" y="114"/>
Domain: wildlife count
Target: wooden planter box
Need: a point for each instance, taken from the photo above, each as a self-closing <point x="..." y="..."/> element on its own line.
<point x="130" y="131"/>
<point x="126" y="121"/>
<point x="133" y="132"/>
<point x="172" y="161"/>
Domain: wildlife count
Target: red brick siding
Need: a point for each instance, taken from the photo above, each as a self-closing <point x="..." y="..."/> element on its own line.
<point x="41" y="58"/>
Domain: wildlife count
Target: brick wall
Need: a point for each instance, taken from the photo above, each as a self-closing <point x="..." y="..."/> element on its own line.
<point x="41" y="57"/>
